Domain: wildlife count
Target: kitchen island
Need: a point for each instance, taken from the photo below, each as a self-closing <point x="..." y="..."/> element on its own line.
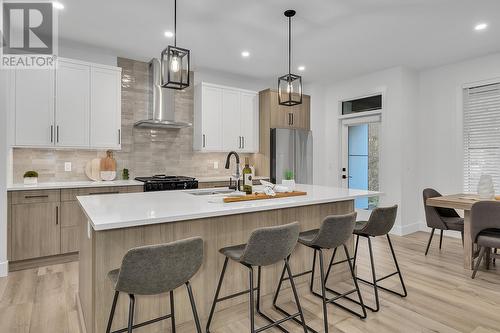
<point x="119" y="222"/>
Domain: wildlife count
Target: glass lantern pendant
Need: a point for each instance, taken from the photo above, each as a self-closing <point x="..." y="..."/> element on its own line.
<point x="290" y="85"/>
<point x="175" y="63"/>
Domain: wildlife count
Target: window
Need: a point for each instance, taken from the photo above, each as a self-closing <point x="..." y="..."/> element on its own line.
<point x="362" y="105"/>
<point x="481" y="135"/>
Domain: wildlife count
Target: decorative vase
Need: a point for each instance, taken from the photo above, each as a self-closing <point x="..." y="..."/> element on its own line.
<point x="30" y="180"/>
<point x="485" y="187"/>
<point x="290" y="183"/>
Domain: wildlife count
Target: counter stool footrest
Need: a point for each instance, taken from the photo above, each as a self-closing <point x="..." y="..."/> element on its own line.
<point x="283" y="311"/>
<point x="225" y="298"/>
<point x="383" y="288"/>
<point x="339" y="296"/>
<point x="152" y="321"/>
<point x="275" y="323"/>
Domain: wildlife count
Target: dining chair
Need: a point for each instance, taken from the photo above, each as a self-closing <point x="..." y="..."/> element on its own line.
<point x="441" y="218"/>
<point x="485" y="230"/>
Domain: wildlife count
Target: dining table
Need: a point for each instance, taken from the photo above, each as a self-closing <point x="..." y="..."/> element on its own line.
<point x="464" y="202"/>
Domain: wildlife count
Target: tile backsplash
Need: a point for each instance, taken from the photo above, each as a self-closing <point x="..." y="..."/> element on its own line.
<point x="144" y="151"/>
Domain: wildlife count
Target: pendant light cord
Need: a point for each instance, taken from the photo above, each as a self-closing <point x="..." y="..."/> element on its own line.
<point x="289" y="45"/>
<point x="175" y="23"/>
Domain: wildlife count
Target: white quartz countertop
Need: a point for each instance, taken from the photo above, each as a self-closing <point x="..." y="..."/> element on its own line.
<point x="113" y="211"/>
<point x="74" y="184"/>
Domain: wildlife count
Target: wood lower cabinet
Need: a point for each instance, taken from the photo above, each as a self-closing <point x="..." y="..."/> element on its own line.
<point x="35" y="230"/>
<point x="45" y="223"/>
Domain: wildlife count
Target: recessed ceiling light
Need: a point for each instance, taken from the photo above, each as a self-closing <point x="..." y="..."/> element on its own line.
<point x="481" y="26"/>
<point x="169" y="34"/>
<point x="301" y="68"/>
<point x="245" y="54"/>
<point x="57" y="5"/>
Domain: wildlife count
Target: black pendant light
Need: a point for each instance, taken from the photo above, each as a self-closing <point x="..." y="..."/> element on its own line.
<point x="175" y="63"/>
<point x="290" y="85"/>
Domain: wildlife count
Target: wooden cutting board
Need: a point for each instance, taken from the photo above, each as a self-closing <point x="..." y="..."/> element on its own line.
<point x="262" y="196"/>
<point x="108" y="163"/>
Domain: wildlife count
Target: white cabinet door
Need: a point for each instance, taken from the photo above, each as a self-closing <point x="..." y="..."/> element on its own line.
<point x="231" y="136"/>
<point x="105" y="115"/>
<point x="32" y="107"/>
<point x="211" y="119"/>
<point x="72" y="105"/>
<point x="249" y="122"/>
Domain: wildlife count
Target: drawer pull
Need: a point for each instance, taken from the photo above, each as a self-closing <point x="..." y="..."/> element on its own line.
<point x="57" y="215"/>
<point x="99" y="193"/>
<point x="35" y="196"/>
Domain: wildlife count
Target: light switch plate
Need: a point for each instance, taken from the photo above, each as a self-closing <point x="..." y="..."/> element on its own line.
<point x="67" y="166"/>
<point x="216" y="165"/>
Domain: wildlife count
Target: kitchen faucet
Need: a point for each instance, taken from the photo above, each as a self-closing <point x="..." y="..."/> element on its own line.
<point x="237" y="175"/>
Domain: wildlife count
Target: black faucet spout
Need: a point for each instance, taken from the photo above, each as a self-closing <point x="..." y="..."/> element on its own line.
<point x="228" y="159"/>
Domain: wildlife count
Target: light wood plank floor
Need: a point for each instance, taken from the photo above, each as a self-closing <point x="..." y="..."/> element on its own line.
<point x="442" y="297"/>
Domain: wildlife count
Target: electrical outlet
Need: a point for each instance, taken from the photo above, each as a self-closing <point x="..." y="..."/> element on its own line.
<point x="67" y="166"/>
<point x="216" y="165"/>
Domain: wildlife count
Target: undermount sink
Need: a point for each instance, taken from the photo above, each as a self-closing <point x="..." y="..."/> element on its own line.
<point x="211" y="192"/>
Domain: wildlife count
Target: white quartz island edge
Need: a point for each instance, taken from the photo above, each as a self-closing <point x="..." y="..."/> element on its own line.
<point x="113" y="211"/>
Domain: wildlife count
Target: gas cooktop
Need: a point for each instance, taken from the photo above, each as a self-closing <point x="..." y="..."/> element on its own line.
<point x="167" y="183"/>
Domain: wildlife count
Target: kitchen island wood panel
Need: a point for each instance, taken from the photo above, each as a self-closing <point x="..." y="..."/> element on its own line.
<point x="102" y="251"/>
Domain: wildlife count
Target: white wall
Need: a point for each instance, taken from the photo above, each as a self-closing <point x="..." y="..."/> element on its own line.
<point x="397" y="136"/>
<point x="3" y="174"/>
<point x="440" y="148"/>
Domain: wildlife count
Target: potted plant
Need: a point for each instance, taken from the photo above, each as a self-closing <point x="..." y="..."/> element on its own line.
<point x="289" y="180"/>
<point x="30" y="178"/>
<point x="125" y="174"/>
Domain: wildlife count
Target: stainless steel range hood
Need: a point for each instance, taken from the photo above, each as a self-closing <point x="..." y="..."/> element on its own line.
<point x="162" y="103"/>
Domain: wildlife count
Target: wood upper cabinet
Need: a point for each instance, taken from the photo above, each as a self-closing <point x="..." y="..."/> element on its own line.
<point x="225" y="119"/>
<point x="281" y="116"/>
<point x="76" y="105"/>
<point x="31" y="103"/>
<point x="72" y="112"/>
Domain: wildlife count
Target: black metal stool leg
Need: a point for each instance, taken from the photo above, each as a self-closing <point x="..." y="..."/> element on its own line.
<point x="299" y="307"/>
<point x="112" y="313"/>
<point x="374" y="277"/>
<point x="323" y="290"/>
<point x="430" y="240"/>
<point x="355" y="280"/>
<point x="131" y="313"/>
<point x="172" y="310"/>
<point x="252" y="301"/>
<point x="405" y="293"/>
<point x="355" y="253"/>
<point x="216" y="297"/>
<point x="193" y="308"/>
<point x="441" y="239"/>
<point x="263" y="315"/>
<point x="311" y="284"/>
<point x="330" y="264"/>
<point x="478" y="262"/>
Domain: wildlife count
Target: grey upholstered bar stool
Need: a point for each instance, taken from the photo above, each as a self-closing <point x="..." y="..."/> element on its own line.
<point x="157" y="269"/>
<point x="266" y="246"/>
<point x="380" y="223"/>
<point x="334" y="232"/>
<point x="441" y="218"/>
<point x="485" y="230"/>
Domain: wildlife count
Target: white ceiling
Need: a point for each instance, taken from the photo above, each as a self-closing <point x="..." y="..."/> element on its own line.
<point x="334" y="39"/>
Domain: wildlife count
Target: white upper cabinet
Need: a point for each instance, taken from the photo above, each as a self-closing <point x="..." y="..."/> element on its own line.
<point x="32" y="107"/>
<point x="249" y="122"/>
<point x="105" y="116"/>
<point x="72" y="105"/>
<point x="231" y="134"/>
<point x="208" y="119"/>
<point x="77" y="105"/>
<point x="225" y="119"/>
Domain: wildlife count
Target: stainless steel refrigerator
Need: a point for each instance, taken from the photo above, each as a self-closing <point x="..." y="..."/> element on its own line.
<point x="291" y="150"/>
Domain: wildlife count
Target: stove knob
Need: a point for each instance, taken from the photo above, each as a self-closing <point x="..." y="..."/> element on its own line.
<point x="185" y="185"/>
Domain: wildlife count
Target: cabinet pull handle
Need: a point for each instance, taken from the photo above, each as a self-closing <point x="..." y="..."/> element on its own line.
<point x="293" y="120"/>
<point x="36" y="196"/>
<point x="57" y="215"/>
<point x="119" y="136"/>
<point x="57" y="133"/>
<point x="203" y="141"/>
<point x="51" y="133"/>
<point x="289" y="119"/>
<point x="239" y="142"/>
<point x="99" y="193"/>
<point x="243" y="142"/>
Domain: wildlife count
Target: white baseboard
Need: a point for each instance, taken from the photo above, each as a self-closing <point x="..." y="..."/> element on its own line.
<point x="4" y="268"/>
<point x="406" y="229"/>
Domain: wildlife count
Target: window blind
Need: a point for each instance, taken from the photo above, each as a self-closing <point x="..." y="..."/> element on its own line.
<point x="481" y="135"/>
